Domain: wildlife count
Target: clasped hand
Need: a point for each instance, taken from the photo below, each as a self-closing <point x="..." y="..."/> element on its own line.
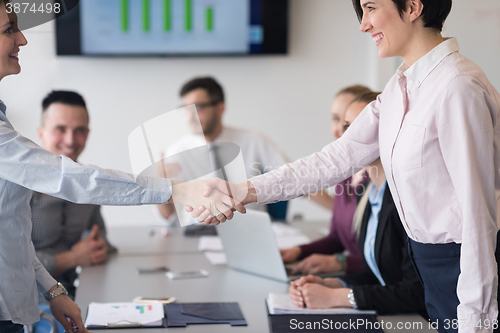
<point x="215" y="200"/>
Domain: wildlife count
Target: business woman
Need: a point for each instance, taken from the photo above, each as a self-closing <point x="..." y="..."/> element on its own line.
<point x="435" y="127"/>
<point x="26" y="167"/>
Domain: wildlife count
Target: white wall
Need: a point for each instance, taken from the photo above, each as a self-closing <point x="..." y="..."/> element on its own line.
<point x="286" y="97"/>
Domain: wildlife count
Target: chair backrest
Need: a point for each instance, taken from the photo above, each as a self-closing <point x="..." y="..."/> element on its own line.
<point x="277" y="210"/>
<point x="47" y="317"/>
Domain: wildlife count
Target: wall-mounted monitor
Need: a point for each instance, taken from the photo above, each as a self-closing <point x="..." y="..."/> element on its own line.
<point x="174" y="28"/>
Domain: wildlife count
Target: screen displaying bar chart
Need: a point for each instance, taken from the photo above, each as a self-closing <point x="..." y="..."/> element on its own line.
<point x="165" y="26"/>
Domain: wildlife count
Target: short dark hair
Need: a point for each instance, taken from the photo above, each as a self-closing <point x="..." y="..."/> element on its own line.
<point x="434" y="13"/>
<point x="213" y="88"/>
<point x="63" y="97"/>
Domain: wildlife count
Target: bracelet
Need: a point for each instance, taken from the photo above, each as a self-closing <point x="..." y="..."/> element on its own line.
<point x="352" y="301"/>
<point x="60" y="290"/>
<point x="342" y="260"/>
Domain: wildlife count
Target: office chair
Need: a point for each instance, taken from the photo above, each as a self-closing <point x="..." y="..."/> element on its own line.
<point x="277" y="211"/>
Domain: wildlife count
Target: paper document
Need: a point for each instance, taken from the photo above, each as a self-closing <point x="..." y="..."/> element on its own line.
<point x="216" y="258"/>
<point x="214" y="243"/>
<point x="281" y="230"/>
<point x="210" y="243"/>
<point x="282" y="304"/>
<point x="287" y="242"/>
<point x="324" y="231"/>
<point x="118" y="314"/>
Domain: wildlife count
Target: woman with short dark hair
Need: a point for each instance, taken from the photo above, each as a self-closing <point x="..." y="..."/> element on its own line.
<point x="435" y="127"/>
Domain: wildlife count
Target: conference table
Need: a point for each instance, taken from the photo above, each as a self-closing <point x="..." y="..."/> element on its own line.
<point x="143" y="247"/>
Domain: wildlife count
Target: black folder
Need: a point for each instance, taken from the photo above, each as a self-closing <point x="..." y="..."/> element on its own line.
<point x="320" y="323"/>
<point x="183" y="314"/>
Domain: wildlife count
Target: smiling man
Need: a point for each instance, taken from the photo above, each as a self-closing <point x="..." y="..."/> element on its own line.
<point x="66" y="235"/>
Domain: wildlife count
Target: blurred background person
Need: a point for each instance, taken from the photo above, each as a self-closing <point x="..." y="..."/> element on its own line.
<point x="339" y="251"/>
<point x="65" y="235"/>
<point x="259" y="154"/>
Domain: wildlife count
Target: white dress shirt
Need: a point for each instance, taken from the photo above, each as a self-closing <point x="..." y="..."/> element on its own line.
<point x="259" y="155"/>
<point x="25" y="167"/>
<point x="442" y="161"/>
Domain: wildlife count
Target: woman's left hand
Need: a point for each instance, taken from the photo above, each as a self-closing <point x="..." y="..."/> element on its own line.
<point x="63" y="308"/>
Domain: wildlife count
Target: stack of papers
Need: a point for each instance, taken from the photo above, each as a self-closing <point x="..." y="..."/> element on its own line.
<point x="284" y="230"/>
<point x="286" y="237"/>
<point x="216" y="258"/>
<point x="125" y="314"/>
<point x="282" y="304"/>
<point x="287" y="242"/>
<point x="210" y="243"/>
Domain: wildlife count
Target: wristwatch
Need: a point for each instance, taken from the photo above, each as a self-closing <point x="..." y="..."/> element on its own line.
<point x="342" y="260"/>
<point x="350" y="298"/>
<point x="50" y="295"/>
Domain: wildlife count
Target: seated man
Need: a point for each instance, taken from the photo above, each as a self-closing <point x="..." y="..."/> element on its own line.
<point x="66" y="235"/>
<point x="208" y="96"/>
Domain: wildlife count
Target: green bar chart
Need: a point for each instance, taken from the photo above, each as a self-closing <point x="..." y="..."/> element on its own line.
<point x="165" y="26"/>
<point x="124" y="15"/>
<point x="167" y="12"/>
<point x="168" y="15"/>
<point x="188" y="15"/>
<point x="146" y="15"/>
<point x="209" y="19"/>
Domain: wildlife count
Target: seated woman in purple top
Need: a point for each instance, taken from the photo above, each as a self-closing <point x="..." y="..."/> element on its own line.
<point x="339" y="251"/>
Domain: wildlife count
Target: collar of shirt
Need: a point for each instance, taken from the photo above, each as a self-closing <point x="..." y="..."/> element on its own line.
<point x="220" y="138"/>
<point x="376" y="195"/>
<point x="419" y="71"/>
<point x="3" y="107"/>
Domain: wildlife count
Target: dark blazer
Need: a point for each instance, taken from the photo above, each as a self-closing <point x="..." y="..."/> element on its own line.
<point x="403" y="292"/>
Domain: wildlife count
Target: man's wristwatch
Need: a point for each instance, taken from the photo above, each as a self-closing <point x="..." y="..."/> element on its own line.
<point x="350" y="298"/>
<point x="342" y="260"/>
<point x="50" y="295"/>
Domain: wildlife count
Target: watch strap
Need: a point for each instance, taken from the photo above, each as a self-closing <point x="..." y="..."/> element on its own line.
<point x="59" y="290"/>
<point x="351" y="299"/>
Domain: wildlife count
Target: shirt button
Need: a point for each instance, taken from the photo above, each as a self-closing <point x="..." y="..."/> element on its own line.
<point x="417" y="82"/>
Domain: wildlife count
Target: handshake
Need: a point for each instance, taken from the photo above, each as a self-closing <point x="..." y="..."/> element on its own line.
<point x="213" y="201"/>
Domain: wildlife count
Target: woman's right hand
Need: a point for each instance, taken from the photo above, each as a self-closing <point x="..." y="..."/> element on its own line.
<point x="291" y="254"/>
<point x="240" y="194"/>
<point x="216" y="205"/>
<point x="295" y="294"/>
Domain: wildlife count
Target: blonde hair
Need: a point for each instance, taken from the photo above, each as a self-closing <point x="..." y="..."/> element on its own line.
<point x="357" y="90"/>
<point x="366" y="97"/>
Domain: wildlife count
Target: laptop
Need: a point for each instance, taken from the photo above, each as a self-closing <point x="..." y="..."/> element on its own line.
<point x="251" y="246"/>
